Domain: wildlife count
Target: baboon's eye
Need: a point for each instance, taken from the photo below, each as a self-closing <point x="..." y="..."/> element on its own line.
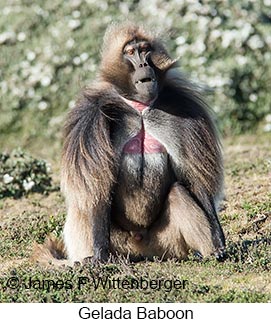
<point x="145" y="48"/>
<point x="129" y="50"/>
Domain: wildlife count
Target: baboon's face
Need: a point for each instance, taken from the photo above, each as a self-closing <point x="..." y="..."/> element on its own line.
<point x="137" y="54"/>
<point x="135" y="63"/>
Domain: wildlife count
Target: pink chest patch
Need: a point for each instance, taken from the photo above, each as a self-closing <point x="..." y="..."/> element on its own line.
<point x="143" y="143"/>
<point x="139" y="106"/>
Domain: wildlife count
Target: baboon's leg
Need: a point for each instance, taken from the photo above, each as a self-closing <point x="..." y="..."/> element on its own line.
<point x="182" y="226"/>
<point x="78" y="234"/>
<point x="86" y="233"/>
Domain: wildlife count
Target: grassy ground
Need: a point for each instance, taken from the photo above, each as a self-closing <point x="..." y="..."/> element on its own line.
<point x="243" y="277"/>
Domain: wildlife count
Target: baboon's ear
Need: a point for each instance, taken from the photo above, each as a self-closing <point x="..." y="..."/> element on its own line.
<point x="162" y="60"/>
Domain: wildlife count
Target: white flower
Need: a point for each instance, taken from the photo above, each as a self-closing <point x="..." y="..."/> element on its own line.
<point x="21" y="36"/>
<point x="70" y="43"/>
<point x="39" y="11"/>
<point x="202" y="23"/>
<point x="45" y="80"/>
<point x="76" y="14"/>
<point x="246" y="30"/>
<point x="181" y="50"/>
<point x="74" y="23"/>
<point x="31" y="56"/>
<point x="56" y="59"/>
<point x="217" y="81"/>
<point x="71" y="104"/>
<point x="103" y="5"/>
<point x="28" y="185"/>
<point x="216" y="33"/>
<point x="241" y="60"/>
<point x="216" y="21"/>
<point x="201" y="60"/>
<point x="84" y="57"/>
<point x="91" y="66"/>
<point x="7" y="36"/>
<point x="76" y="60"/>
<point x="18" y="91"/>
<point x="24" y="64"/>
<point x="189" y="17"/>
<point x="255" y="42"/>
<point x="33" y="79"/>
<point x="48" y="168"/>
<point x="55" y="32"/>
<point x="56" y="121"/>
<point x="31" y="92"/>
<point x="198" y="47"/>
<point x="54" y="88"/>
<point x="180" y="40"/>
<point x="228" y="36"/>
<point x="7" y="178"/>
<point x="42" y="105"/>
<point x="253" y="97"/>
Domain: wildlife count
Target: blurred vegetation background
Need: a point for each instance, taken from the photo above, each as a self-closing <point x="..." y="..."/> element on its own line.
<point x="49" y="49"/>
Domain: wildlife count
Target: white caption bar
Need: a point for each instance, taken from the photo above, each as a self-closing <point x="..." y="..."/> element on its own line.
<point x="33" y="313"/>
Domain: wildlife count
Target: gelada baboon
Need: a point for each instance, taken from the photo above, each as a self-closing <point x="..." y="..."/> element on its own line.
<point x="142" y="170"/>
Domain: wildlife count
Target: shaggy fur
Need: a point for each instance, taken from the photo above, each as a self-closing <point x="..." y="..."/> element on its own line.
<point x="139" y="205"/>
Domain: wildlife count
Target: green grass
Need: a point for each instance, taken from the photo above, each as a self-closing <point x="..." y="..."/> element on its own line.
<point x="204" y="282"/>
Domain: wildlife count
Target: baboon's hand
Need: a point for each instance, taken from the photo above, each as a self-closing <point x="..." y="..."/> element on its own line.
<point x="220" y="254"/>
<point x="100" y="258"/>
